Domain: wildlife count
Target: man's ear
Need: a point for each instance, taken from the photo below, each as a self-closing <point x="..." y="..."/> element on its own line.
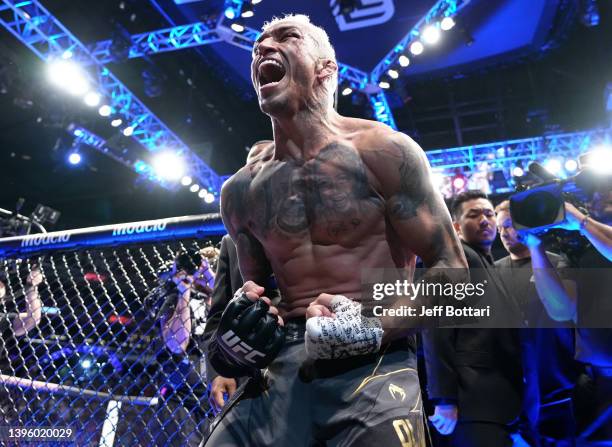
<point x="457" y="227"/>
<point x="326" y="68"/>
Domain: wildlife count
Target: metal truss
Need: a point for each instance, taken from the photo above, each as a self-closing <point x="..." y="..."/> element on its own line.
<point x="382" y="111"/>
<point x="506" y="155"/>
<point x="38" y="29"/>
<point x="85" y="137"/>
<point x="442" y="8"/>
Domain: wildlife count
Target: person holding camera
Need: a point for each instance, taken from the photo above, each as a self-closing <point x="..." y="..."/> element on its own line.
<point x="590" y="308"/>
<point x="529" y="273"/>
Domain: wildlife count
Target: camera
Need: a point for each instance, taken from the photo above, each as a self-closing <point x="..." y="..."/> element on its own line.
<point x="542" y="206"/>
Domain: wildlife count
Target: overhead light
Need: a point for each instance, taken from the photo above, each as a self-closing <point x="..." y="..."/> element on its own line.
<point x="230" y="13"/>
<point x="128" y="131"/>
<point x="431" y="34"/>
<point x="237" y="26"/>
<point x="69" y="76"/>
<point x="247" y="11"/>
<point x="347" y="90"/>
<point x="599" y="159"/>
<point x="92" y="99"/>
<point x="517" y="171"/>
<point x="74" y="158"/>
<point x="255" y="2"/>
<point x="116" y="122"/>
<point x="447" y="23"/>
<point x="168" y="165"/>
<point x="186" y="180"/>
<point x="416" y="48"/>
<point x="194" y="188"/>
<point x="404" y="61"/>
<point x="384" y="84"/>
<point x="553" y="166"/>
<point x="393" y="74"/>
<point x="209" y="198"/>
<point x="105" y="110"/>
<point x="571" y="165"/>
<point x="202" y="193"/>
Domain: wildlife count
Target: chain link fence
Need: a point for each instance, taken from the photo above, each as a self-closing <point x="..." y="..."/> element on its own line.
<point x="96" y="361"/>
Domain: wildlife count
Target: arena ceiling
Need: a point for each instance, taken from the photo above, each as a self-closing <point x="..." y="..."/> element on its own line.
<point x="488" y="80"/>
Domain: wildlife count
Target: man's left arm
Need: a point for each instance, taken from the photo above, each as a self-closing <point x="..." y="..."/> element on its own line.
<point x="417" y="212"/>
<point x="24" y="322"/>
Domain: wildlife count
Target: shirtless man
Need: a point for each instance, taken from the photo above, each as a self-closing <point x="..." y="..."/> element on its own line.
<point x="329" y="197"/>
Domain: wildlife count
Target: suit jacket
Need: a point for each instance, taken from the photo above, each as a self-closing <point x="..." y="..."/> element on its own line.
<point x="227" y="280"/>
<point x="478" y="369"/>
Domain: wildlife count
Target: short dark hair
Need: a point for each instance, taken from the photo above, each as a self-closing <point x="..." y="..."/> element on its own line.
<point x="461" y="198"/>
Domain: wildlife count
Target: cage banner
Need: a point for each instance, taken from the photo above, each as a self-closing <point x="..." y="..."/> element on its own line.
<point x="82" y="341"/>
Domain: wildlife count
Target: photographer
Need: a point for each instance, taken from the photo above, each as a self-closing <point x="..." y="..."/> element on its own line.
<point x="529" y="273"/>
<point x="591" y="309"/>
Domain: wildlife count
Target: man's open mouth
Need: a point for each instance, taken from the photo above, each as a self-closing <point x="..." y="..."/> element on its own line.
<point x="270" y="71"/>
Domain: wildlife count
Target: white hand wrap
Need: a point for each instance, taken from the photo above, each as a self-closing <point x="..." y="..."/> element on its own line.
<point x="348" y="334"/>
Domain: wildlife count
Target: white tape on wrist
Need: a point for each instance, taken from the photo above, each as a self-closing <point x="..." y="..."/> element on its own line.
<point x="348" y="334"/>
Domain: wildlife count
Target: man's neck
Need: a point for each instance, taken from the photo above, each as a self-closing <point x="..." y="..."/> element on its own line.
<point x="523" y="254"/>
<point x="301" y="136"/>
<point x="482" y="249"/>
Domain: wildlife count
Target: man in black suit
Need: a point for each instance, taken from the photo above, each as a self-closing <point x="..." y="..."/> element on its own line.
<point x="474" y="375"/>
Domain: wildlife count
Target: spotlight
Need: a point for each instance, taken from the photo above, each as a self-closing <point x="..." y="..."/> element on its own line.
<point x="74" y="158"/>
<point x="202" y="193"/>
<point x="237" y="26"/>
<point x="128" y="131"/>
<point x="517" y="171"/>
<point x="571" y="165"/>
<point x="447" y="23"/>
<point x="230" y="13"/>
<point x="393" y="74"/>
<point x="384" y="84"/>
<point x="86" y="363"/>
<point x="416" y="48"/>
<point x="186" y="180"/>
<point x="169" y="166"/>
<point x="209" y="198"/>
<point x="116" y="122"/>
<point x="92" y="99"/>
<point x="431" y="34"/>
<point x="140" y="166"/>
<point x="68" y="76"/>
<point x="255" y="2"/>
<point x="105" y="110"/>
<point x="247" y="11"/>
<point x="459" y="183"/>
<point x="194" y="188"/>
<point x="553" y="166"/>
<point x="404" y="61"/>
<point x="347" y="90"/>
<point x="599" y="159"/>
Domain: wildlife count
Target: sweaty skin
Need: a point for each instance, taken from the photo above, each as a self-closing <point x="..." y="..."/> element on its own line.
<point x="330" y="195"/>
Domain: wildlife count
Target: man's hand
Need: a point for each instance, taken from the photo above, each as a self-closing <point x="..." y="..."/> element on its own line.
<point x="573" y="218"/>
<point x="444" y="418"/>
<point x="34" y="278"/>
<point x="336" y="329"/>
<point x="219" y="387"/>
<point x="182" y="280"/>
<point x="529" y="239"/>
<point x="250" y="333"/>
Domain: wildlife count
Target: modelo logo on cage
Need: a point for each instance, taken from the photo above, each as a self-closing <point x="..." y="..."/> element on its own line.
<point x="44" y="239"/>
<point x="139" y="228"/>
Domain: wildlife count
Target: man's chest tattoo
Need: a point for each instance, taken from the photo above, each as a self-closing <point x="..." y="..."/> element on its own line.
<point x="327" y="193"/>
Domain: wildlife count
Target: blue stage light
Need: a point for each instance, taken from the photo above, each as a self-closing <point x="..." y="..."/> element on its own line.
<point x="230" y="13"/>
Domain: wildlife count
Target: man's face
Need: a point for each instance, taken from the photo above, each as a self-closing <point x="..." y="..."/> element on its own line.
<point x="2" y="290"/>
<point x="477" y="225"/>
<point x="283" y="70"/>
<point x="508" y="234"/>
